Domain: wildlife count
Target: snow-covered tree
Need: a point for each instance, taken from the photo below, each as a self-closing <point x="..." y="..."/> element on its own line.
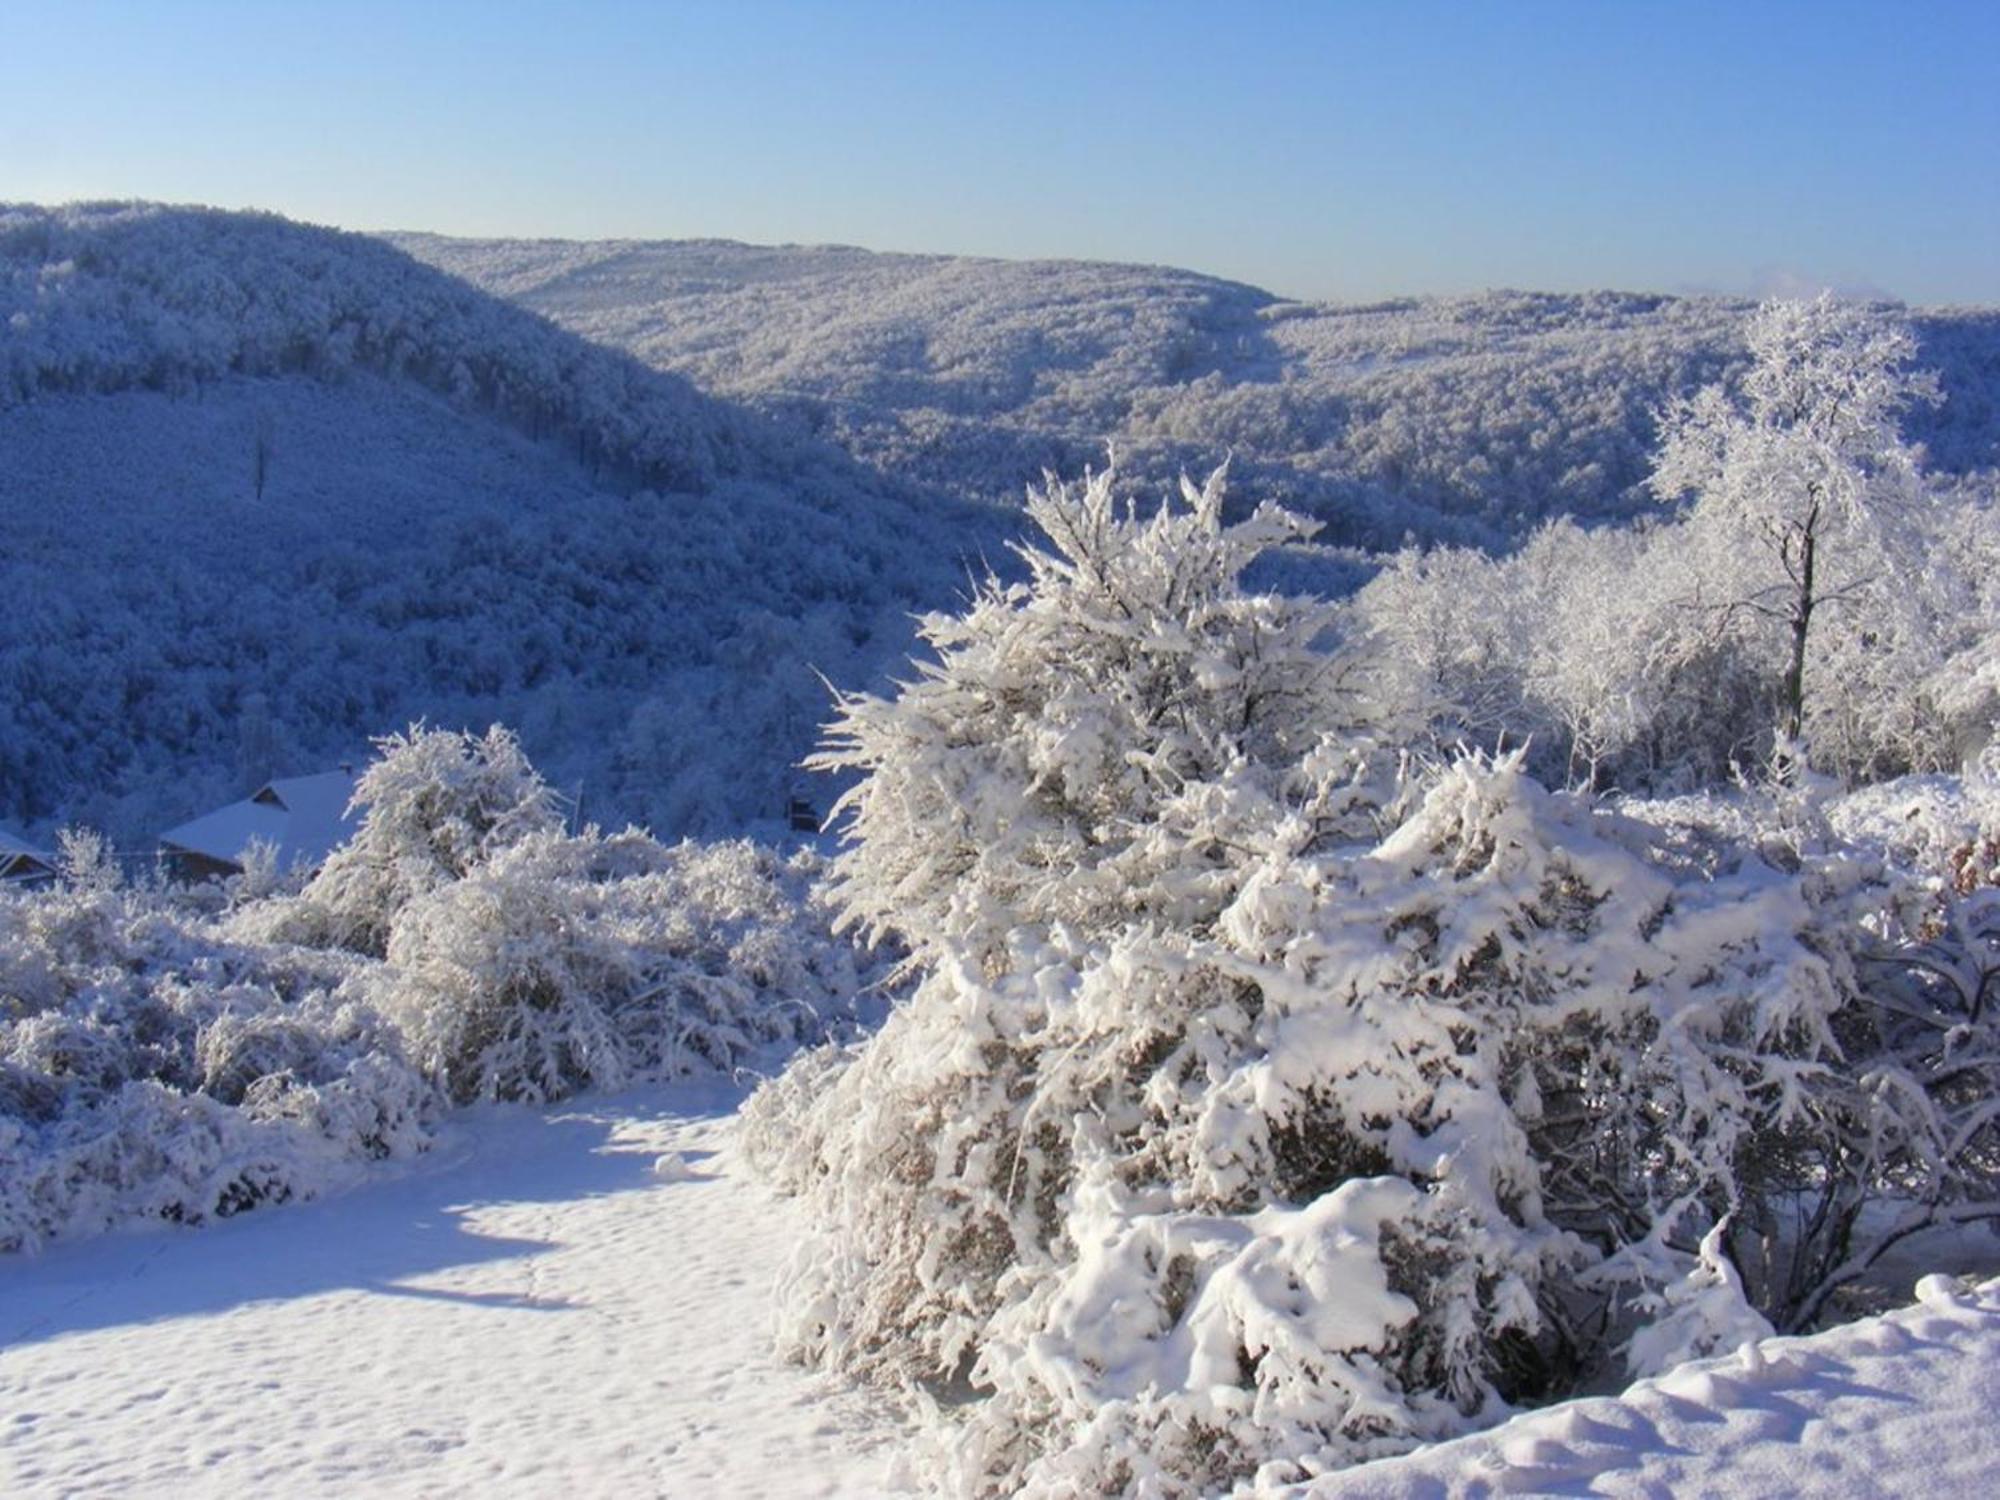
<point x="1819" y="593"/>
<point x="435" y="804"/>
<point x="1806" y="480"/>
<point x="1062" y="757"/>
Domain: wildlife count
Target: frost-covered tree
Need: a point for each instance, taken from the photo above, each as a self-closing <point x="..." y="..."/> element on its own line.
<point x="1806" y="479"/>
<point x="1060" y="758"/>
<point x="1820" y="593"/>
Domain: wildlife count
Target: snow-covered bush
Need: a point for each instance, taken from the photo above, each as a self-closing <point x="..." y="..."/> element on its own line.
<point x="1250" y="1116"/>
<point x="526" y="963"/>
<point x="1141" y="1189"/>
<point x="167" y="1054"/>
<point x="151" y="1068"/>
<point x="1071" y="755"/>
<point x="435" y="805"/>
<point x="1909" y="1123"/>
<point x="1905" y="1133"/>
<point x="1894" y="1130"/>
<point x="588" y="962"/>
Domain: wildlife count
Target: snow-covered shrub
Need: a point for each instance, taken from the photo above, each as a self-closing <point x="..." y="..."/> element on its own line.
<point x="1140" y="1189"/>
<point x="163" y="1058"/>
<point x="573" y="962"/>
<point x="1070" y="755"/>
<point x="1905" y="1133"/>
<point x="1908" y="1123"/>
<point x="521" y="962"/>
<point x="152" y="1068"/>
<point x="1892" y="1130"/>
<point x="1698" y="1315"/>
<point x="1105" y="744"/>
<point x="1251" y="1119"/>
<point x="165" y="1053"/>
<point x="435" y="804"/>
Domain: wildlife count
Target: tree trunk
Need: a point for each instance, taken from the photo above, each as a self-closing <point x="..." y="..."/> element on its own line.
<point x="1802" y="613"/>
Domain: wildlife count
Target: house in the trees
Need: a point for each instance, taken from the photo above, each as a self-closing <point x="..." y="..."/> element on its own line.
<point x="22" y="861"/>
<point x="303" y="818"/>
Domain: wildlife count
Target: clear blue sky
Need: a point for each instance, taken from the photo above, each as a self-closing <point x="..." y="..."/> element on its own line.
<point x="1319" y="149"/>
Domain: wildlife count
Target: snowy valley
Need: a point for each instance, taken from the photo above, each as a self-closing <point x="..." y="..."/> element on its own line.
<point x="1409" y="901"/>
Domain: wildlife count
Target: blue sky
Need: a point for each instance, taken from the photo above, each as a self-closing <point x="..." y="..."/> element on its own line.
<point x="1319" y="149"/>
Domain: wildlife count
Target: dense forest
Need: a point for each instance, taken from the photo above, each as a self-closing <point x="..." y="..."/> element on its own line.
<point x="269" y="491"/>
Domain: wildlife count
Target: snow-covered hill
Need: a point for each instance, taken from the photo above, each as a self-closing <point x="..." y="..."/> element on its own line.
<point x="267" y="490"/>
<point x="1467" y="418"/>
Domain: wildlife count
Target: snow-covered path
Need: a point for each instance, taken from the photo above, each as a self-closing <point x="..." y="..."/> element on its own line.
<point x="534" y="1312"/>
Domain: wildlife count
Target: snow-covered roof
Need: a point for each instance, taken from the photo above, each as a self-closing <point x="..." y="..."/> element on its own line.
<point x="17" y="858"/>
<point x="304" y="817"/>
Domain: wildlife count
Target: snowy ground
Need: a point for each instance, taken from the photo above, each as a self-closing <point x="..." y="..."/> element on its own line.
<point x="537" y="1311"/>
<point x="1903" y="1404"/>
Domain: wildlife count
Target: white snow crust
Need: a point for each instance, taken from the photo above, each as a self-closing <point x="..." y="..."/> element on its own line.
<point x="1901" y="1404"/>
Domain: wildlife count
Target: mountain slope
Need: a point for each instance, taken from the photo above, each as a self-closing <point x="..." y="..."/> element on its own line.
<point x="267" y="490"/>
<point x="1467" y="418"/>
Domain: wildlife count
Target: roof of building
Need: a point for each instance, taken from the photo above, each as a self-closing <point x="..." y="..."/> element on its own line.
<point x="304" y="817"/>
<point x="18" y="857"/>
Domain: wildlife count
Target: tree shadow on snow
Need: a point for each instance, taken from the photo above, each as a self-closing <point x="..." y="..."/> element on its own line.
<point x="374" y="1238"/>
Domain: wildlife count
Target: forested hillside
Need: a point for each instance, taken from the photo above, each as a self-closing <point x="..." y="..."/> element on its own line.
<point x="268" y="490"/>
<point x="1465" y="419"/>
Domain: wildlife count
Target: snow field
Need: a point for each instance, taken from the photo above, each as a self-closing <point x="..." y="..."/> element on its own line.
<point x="533" y="1311"/>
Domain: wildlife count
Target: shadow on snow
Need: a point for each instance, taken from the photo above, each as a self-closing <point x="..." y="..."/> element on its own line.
<point x="374" y="1238"/>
